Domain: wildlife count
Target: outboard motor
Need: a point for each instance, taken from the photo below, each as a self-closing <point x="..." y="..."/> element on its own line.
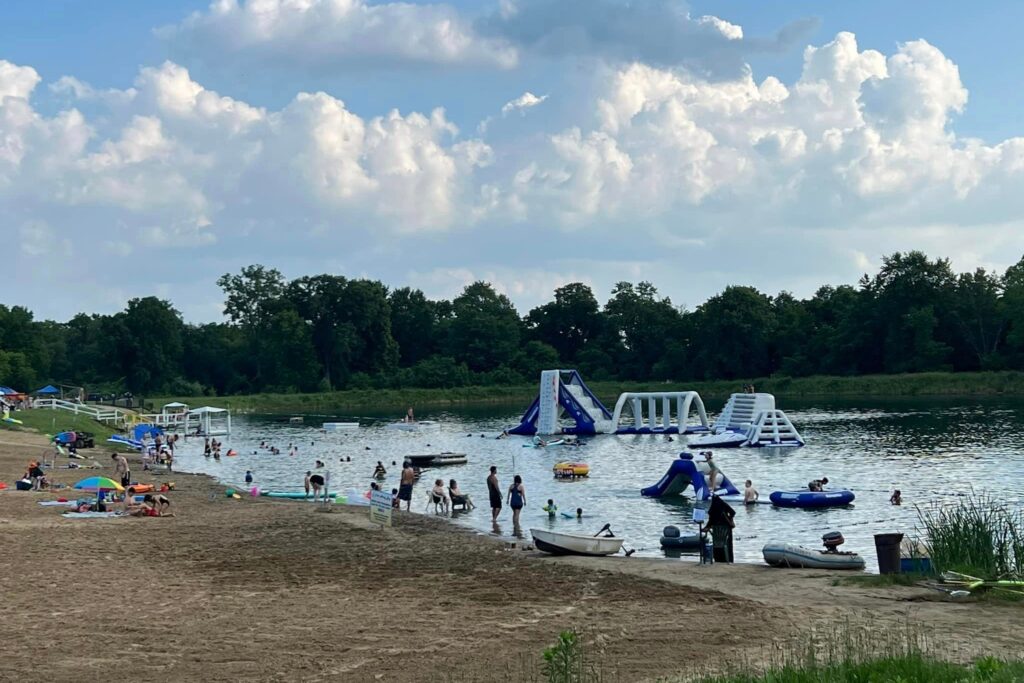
<point x="832" y="541"/>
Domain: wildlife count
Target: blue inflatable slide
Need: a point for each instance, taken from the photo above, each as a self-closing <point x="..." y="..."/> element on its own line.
<point x="684" y="473"/>
<point x="576" y="399"/>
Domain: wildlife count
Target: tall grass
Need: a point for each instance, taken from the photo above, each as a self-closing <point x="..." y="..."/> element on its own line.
<point x="977" y="535"/>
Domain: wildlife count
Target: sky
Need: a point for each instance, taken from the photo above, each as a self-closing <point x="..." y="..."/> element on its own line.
<point x="530" y="143"/>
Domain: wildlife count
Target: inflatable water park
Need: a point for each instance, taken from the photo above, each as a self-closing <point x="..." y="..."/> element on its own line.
<point x="566" y="406"/>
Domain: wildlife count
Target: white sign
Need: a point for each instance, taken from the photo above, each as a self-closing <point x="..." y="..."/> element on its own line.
<point x="700" y="515"/>
<point x="380" y="507"/>
<point x="547" y="419"/>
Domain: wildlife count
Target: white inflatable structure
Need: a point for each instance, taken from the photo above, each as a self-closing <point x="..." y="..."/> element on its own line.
<point x="750" y="420"/>
<point x="656" y="422"/>
<point x="563" y="393"/>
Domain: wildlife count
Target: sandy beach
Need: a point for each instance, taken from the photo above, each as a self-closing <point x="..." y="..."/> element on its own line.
<point x="256" y="589"/>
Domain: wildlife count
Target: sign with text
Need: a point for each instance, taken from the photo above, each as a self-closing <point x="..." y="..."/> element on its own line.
<point x="380" y="507"/>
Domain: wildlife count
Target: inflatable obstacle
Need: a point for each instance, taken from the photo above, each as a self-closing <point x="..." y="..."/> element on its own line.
<point x="811" y="499"/>
<point x="685" y="472"/>
<point x="563" y="393"/>
<point x="750" y="420"/>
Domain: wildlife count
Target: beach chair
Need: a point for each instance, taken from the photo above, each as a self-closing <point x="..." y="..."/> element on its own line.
<point x="440" y="503"/>
<point x="458" y="501"/>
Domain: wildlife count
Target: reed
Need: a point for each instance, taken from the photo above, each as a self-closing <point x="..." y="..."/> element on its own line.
<point x="977" y="535"/>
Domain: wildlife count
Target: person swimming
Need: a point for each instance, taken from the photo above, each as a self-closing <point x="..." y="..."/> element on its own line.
<point x="379" y="471"/>
<point x="248" y="476"/>
<point x="896" y="498"/>
<point x="551" y="508"/>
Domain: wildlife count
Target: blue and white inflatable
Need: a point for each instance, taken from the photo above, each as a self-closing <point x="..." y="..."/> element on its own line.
<point x="811" y="499"/>
<point x="686" y="472"/>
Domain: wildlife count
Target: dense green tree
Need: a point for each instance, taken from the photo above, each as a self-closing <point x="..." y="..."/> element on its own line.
<point x="414" y="325"/>
<point x="639" y="325"/>
<point x="484" y="332"/>
<point x="735" y="331"/>
<point x="568" y="323"/>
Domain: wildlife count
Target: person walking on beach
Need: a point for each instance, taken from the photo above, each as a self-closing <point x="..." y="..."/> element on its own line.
<point x="516" y="499"/>
<point x="405" y="484"/>
<point x="494" y="493"/>
<point x="121" y="471"/>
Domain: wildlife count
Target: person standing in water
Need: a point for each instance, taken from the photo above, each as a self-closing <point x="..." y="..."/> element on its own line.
<point x="409" y="417"/>
<point x="405" y="484"/>
<point x="750" y="494"/>
<point x="494" y="493"/>
<point x="516" y="499"/>
<point x="307" y="482"/>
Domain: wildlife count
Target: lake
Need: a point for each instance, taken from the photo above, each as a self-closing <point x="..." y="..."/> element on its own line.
<point x="931" y="449"/>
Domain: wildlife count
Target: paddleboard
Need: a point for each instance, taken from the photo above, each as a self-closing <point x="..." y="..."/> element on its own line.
<point x="293" y="495"/>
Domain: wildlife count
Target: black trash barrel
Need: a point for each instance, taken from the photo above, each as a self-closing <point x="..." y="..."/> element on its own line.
<point x="888" y="548"/>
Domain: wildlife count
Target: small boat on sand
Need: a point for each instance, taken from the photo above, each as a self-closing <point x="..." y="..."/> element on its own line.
<point x="575" y="544"/>
<point x="789" y="555"/>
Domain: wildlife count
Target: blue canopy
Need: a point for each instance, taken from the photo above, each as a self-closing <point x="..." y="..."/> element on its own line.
<point x="48" y="390"/>
<point x="7" y="390"/>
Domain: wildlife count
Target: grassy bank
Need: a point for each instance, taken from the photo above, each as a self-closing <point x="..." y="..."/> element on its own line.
<point x="920" y="384"/>
<point x="53" y="421"/>
<point x="909" y="668"/>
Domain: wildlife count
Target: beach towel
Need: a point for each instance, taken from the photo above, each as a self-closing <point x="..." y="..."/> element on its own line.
<point x="91" y="515"/>
<point x="56" y="503"/>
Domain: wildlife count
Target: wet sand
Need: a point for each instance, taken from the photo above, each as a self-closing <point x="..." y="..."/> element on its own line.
<point x="276" y="590"/>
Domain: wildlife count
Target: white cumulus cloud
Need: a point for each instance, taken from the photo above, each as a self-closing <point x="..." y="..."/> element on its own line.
<point x="525" y="101"/>
<point x="336" y="32"/>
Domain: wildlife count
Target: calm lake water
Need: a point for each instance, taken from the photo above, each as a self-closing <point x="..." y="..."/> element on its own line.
<point x="933" y="450"/>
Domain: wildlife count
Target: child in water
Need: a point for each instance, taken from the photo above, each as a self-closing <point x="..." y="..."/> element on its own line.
<point x="551" y="508"/>
<point x="896" y="498"/>
<point x="248" y="476"/>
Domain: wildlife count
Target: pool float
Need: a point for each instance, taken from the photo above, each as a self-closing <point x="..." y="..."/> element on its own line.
<point x="811" y="499"/>
<point x="672" y="539"/>
<point x="66" y="438"/>
<point x="140" y="488"/>
<point x="541" y="444"/>
<point x="231" y="453"/>
<point x="570" y="470"/>
<point x="293" y="495"/>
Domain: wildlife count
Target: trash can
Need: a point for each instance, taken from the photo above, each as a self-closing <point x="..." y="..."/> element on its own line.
<point x="888" y="548"/>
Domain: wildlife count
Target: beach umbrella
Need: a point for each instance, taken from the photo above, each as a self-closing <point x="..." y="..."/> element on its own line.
<point x="99" y="484"/>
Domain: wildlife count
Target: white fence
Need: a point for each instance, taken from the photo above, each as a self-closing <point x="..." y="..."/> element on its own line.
<point x="113" y="416"/>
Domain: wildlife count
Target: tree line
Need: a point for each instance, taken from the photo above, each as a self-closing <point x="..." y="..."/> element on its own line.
<point x="327" y="332"/>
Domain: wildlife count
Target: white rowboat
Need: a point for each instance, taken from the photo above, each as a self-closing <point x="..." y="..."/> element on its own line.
<point x="572" y="544"/>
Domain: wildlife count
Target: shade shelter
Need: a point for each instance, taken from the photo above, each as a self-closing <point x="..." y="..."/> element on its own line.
<point x="48" y="391"/>
<point x="208" y="421"/>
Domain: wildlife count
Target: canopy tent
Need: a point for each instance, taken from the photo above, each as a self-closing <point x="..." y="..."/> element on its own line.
<point x="48" y="390"/>
<point x="208" y="421"/>
<point x="7" y="391"/>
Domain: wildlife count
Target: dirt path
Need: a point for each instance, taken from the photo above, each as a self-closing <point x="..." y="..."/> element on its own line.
<point x="277" y="591"/>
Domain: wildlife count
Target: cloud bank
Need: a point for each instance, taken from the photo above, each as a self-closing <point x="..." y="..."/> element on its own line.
<point x="169" y="183"/>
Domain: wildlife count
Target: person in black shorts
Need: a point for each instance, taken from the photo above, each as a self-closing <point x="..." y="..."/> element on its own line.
<point x="317" y="482"/>
<point x="405" y="485"/>
<point x="494" y="493"/>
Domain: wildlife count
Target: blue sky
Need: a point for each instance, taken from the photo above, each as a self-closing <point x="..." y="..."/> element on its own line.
<point x="651" y="144"/>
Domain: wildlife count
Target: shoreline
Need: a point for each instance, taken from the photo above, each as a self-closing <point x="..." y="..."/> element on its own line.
<point x="929" y="385"/>
<point x="274" y="590"/>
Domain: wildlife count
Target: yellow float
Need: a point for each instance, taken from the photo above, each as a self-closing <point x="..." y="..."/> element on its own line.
<point x="570" y="470"/>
